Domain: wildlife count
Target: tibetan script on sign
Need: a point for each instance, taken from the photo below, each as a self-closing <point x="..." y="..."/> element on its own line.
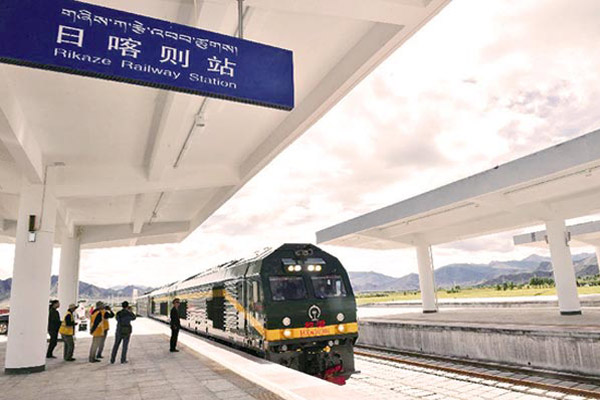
<point x="84" y="39"/>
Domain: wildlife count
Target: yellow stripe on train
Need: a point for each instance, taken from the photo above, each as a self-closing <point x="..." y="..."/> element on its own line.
<point x="274" y="335"/>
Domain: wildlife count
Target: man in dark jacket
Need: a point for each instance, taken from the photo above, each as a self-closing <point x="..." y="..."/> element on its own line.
<point x="123" y="333"/>
<point x="53" y="327"/>
<point x="175" y="324"/>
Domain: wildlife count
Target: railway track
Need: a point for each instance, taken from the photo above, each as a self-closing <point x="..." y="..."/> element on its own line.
<point x="541" y="383"/>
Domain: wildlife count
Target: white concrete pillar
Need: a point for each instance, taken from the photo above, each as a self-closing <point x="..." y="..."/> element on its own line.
<point x="562" y="265"/>
<point x="426" y="281"/>
<point x="26" y="347"/>
<point x="68" y="275"/>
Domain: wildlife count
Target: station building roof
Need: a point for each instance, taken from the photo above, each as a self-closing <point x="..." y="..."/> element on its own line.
<point x="129" y="164"/>
<point x="562" y="181"/>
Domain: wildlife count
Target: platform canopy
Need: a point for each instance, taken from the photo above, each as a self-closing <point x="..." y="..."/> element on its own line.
<point x="560" y="182"/>
<point x="132" y="165"/>
<point x="579" y="235"/>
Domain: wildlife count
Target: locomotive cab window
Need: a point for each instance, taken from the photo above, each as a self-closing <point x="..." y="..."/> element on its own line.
<point x="287" y="288"/>
<point x="328" y="286"/>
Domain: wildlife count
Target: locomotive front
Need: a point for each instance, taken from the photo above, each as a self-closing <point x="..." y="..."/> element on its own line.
<point x="310" y="312"/>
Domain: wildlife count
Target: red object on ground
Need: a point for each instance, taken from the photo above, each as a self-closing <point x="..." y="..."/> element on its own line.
<point x="330" y="375"/>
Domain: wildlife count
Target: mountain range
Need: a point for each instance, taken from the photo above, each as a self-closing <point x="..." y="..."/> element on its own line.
<point x="493" y="273"/>
<point x="86" y="290"/>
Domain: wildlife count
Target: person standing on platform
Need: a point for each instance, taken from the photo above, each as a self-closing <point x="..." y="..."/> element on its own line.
<point x="106" y="314"/>
<point x="67" y="331"/>
<point x="175" y="325"/>
<point x="123" y="332"/>
<point x="97" y="331"/>
<point x="53" y="327"/>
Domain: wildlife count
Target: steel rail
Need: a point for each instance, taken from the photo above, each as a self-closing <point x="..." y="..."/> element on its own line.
<point x="397" y="357"/>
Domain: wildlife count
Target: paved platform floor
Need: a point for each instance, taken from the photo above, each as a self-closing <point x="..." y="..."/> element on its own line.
<point x="152" y="373"/>
<point x="202" y="370"/>
<point x="506" y="318"/>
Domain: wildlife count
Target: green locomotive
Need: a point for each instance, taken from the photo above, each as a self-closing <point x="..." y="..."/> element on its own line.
<point x="293" y="305"/>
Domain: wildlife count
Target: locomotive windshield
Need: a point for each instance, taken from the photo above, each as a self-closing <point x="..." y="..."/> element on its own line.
<point x="328" y="286"/>
<point x="287" y="288"/>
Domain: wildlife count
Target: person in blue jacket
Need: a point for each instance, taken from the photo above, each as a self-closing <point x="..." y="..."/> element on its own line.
<point x="123" y="332"/>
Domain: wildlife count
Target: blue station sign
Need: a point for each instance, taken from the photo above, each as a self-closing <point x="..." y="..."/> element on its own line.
<point x="84" y="39"/>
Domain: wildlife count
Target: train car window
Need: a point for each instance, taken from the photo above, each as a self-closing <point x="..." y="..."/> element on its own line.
<point x="182" y="310"/>
<point x="287" y="288"/>
<point x="328" y="286"/>
<point x="255" y="292"/>
<point x="164" y="308"/>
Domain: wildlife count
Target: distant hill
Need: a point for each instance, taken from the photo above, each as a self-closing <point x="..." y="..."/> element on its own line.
<point x="86" y="290"/>
<point x="369" y="281"/>
<point x="517" y="271"/>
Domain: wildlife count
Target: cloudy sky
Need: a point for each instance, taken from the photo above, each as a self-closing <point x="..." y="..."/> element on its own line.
<point x="483" y="83"/>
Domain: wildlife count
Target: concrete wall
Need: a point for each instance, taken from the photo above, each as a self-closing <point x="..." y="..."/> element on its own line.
<point x="558" y="351"/>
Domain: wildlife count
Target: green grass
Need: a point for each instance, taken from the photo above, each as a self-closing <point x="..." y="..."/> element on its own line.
<point x="467" y="293"/>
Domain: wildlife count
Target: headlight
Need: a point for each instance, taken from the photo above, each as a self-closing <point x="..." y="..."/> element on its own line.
<point x="284" y="347"/>
<point x="341" y="328"/>
<point x="298" y="268"/>
<point x="330" y="343"/>
<point x="286" y="321"/>
<point x="318" y="268"/>
<point x="340" y="317"/>
<point x="287" y="333"/>
<point x="311" y="268"/>
<point x="290" y="268"/>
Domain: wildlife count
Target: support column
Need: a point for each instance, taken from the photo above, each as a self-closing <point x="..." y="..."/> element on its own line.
<point x="68" y="275"/>
<point x="562" y="266"/>
<point x="30" y="292"/>
<point x="426" y="281"/>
